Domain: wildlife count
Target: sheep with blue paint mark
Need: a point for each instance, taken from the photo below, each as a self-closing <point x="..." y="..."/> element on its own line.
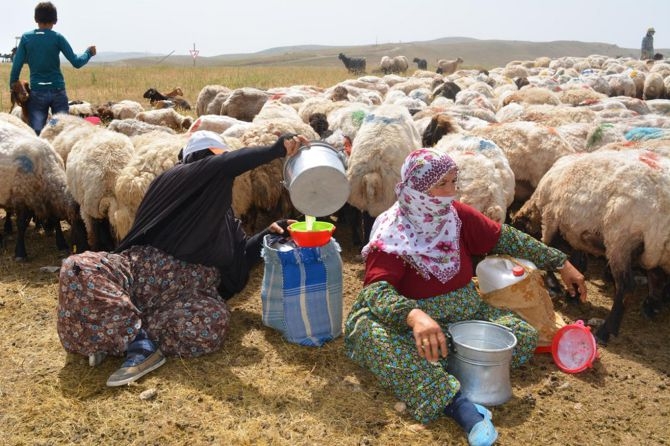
<point x="33" y="183"/>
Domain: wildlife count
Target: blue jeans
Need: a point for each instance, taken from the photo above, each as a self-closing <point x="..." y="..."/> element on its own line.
<point x="39" y="103"/>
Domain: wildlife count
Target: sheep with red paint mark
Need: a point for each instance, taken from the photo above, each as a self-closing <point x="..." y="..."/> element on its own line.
<point x="623" y="216"/>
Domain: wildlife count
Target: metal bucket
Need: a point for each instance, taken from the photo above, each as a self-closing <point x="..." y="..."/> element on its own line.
<point x="480" y="357"/>
<point x="316" y="179"/>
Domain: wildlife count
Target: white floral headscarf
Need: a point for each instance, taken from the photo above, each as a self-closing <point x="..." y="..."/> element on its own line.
<point x="423" y="230"/>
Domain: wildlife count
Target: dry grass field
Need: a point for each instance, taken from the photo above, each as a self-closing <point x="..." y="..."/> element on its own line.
<point x="100" y="83"/>
<point x="260" y="389"/>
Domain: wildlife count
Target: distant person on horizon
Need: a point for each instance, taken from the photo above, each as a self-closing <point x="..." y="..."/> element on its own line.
<point x="647" y="51"/>
<point x="40" y="49"/>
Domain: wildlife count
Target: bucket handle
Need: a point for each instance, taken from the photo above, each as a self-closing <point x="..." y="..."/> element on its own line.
<point x="451" y="345"/>
<point x="341" y="153"/>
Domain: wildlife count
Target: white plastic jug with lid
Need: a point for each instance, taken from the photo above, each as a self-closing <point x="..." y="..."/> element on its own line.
<point x="517" y="285"/>
<point x="495" y="273"/>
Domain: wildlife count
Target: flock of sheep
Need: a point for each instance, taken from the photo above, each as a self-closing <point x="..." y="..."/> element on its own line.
<point x="398" y="64"/>
<point x="580" y="145"/>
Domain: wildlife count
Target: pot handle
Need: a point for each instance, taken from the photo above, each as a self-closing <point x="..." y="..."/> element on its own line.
<point x="450" y="343"/>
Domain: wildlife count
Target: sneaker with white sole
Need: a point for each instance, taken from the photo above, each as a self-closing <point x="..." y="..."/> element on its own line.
<point x="132" y="369"/>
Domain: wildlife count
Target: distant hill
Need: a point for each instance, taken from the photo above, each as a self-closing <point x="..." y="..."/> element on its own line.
<point x="475" y="53"/>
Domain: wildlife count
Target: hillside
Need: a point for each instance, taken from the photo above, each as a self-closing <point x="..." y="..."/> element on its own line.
<point x="475" y="53"/>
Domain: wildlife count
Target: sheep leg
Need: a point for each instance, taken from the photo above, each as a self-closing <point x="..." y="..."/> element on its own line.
<point x="8" y="229"/>
<point x="23" y="217"/>
<point x="61" y="243"/>
<point x="623" y="282"/>
<point x="368" y="221"/>
<point x="353" y="216"/>
<point x="104" y="241"/>
<point x="656" y="279"/>
<point x="78" y="237"/>
<point x="579" y="260"/>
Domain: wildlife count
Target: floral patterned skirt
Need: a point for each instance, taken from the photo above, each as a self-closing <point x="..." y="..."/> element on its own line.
<point x="389" y="352"/>
<point x="105" y="298"/>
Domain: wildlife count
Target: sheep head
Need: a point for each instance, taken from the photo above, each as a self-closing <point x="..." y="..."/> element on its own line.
<point x="20" y="92"/>
<point x="153" y="95"/>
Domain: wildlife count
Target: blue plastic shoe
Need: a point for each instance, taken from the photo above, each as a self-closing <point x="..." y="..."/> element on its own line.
<point x="483" y="433"/>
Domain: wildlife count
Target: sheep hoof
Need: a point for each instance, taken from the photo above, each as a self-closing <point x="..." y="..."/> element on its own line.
<point x="602" y="336"/>
<point x="651" y="308"/>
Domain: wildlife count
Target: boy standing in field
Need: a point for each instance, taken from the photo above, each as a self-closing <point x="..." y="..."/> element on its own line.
<point x="41" y="49"/>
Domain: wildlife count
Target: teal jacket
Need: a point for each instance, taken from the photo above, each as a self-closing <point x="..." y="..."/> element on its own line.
<point x="41" y="49"/>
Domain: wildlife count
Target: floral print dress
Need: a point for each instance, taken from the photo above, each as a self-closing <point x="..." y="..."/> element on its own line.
<point x="378" y="338"/>
<point x="105" y="298"/>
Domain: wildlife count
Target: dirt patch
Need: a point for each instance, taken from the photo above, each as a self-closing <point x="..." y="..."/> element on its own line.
<point x="262" y="390"/>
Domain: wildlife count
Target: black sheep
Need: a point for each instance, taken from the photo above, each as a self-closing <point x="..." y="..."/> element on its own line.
<point x="422" y="64"/>
<point x="319" y="122"/>
<point x="448" y="89"/>
<point x="355" y="65"/>
<point x="521" y="82"/>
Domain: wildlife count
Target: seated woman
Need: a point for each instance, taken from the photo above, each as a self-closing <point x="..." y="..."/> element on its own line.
<point x="164" y="290"/>
<point x="418" y="279"/>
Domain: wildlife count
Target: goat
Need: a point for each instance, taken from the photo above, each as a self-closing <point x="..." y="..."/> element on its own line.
<point x="354" y="65"/>
<point x="154" y="95"/>
<point x="422" y="64"/>
<point x="19" y="96"/>
<point x="176" y="91"/>
<point x="448" y="66"/>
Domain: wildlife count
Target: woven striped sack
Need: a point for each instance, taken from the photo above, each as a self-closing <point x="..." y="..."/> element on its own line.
<point x="302" y="291"/>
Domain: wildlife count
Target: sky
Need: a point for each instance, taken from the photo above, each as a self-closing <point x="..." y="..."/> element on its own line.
<point x="219" y="27"/>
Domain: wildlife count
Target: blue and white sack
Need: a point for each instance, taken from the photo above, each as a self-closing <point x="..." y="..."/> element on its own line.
<point x="302" y="290"/>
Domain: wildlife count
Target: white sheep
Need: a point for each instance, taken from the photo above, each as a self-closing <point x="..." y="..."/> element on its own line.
<point x="621" y="84"/>
<point x="653" y="87"/>
<point x="373" y="83"/>
<point x="348" y="119"/>
<point x="397" y="64"/>
<point x="623" y="216"/>
<point x="92" y="168"/>
<point x="214" y="123"/>
<point x="206" y="96"/>
<point x="216" y="104"/>
<point x="319" y="105"/>
<point x="258" y="195"/>
<point x="126" y="109"/>
<point x="32" y="181"/>
<point x="16" y="121"/>
<point x="485" y="179"/>
<point x="154" y="153"/>
<point x="244" y="103"/>
<point x="531" y="95"/>
<point x="82" y="109"/>
<point x="385" y="138"/>
<point x="274" y="110"/>
<point x="134" y="127"/>
<point x="549" y="115"/>
<point x="64" y="130"/>
<point x="294" y="94"/>
<point x="167" y="117"/>
<point x="531" y="149"/>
